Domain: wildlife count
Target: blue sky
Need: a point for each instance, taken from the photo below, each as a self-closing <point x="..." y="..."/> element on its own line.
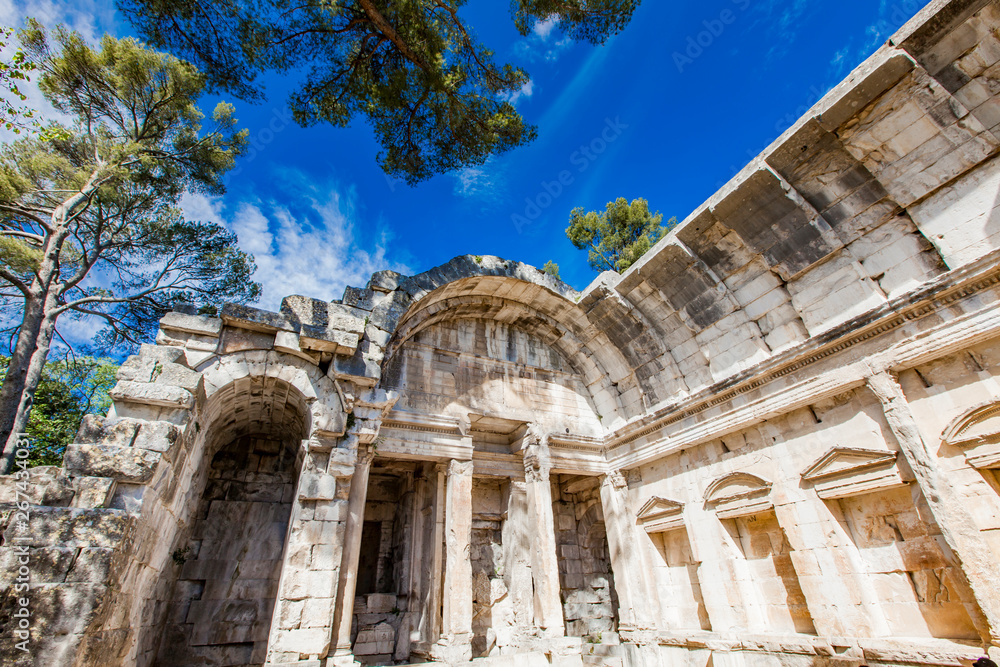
<point x="668" y="110"/>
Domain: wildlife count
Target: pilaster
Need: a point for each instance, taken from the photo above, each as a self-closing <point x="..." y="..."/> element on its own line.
<point x="455" y="642"/>
<point x="968" y="548"/>
<point x="344" y="603"/>
<point x="544" y="565"/>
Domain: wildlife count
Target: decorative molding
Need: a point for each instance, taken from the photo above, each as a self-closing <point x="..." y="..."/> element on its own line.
<point x="738" y="494"/>
<point x="659" y="515"/>
<point x="977" y="433"/>
<point x="853" y="471"/>
<point x="575" y="442"/>
<point x="411" y="421"/>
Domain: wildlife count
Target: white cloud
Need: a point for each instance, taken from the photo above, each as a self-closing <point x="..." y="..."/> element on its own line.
<point x="537" y="45"/>
<point x="485" y="183"/>
<point x="544" y="28"/>
<point x="313" y="252"/>
<point x="524" y="91"/>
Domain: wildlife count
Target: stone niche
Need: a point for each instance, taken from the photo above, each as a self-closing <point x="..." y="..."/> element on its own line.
<point x="501" y="570"/>
<point x="675" y="571"/>
<point x="915" y="583"/>
<point x="759" y="554"/>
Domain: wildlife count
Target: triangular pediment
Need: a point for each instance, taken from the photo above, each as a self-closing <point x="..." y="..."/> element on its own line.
<point x="660" y="514"/>
<point x="657" y="507"/>
<point x="843" y="461"/>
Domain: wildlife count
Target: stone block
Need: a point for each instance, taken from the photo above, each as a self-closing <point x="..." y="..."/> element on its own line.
<point x="124" y="464"/>
<point x="160" y="437"/>
<point x="137" y="369"/>
<point x="178" y="376"/>
<point x="317" y="486"/>
<point x="92" y="564"/>
<point x="303" y="641"/>
<point x="237" y="339"/>
<point x="152" y="394"/>
<point x="44" y="485"/>
<point x="100" y="430"/>
<point x="196" y="324"/>
<point x="72" y="527"/>
<point x="165" y="354"/>
<point x="44" y="565"/>
<point x="325" y="339"/>
<point x="256" y="319"/>
<point x="357" y="297"/>
<point x="93" y="492"/>
<point x="58" y="608"/>
<point x="384" y="281"/>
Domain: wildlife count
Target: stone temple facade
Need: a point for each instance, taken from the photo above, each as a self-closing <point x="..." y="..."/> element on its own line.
<point x="773" y="441"/>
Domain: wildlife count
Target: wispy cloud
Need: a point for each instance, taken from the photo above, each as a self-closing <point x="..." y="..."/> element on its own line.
<point x="524" y="91"/>
<point x="313" y="251"/>
<point x="541" y="45"/>
<point x="485" y="183"/>
<point x="888" y="20"/>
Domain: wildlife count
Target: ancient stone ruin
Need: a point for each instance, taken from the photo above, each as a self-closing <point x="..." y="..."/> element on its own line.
<point x="774" y="440"/>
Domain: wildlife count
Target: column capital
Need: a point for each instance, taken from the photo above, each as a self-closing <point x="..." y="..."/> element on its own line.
<point x="456" y="467"/>
<point x="615" y="479"/>
<point x="537" y="462"/>
<point x="365" y="456"/>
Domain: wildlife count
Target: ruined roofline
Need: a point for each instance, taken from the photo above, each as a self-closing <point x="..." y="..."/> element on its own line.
<point x="871" y="78"/>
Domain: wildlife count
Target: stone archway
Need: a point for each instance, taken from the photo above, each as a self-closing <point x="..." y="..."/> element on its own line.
<point x="230" y="565"/>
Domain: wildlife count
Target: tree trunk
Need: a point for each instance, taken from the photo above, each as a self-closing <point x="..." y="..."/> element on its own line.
<point x="17" y="372"/>
<point x="31" y="380"/>
<point x="44" y="291"/>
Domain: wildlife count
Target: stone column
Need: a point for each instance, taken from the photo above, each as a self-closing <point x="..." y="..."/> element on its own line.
<point x="626" y="563"/>
<point x="969" y="549"/>
<point x="544" y="566"/>
<point x="428" y="625"/>
<point x="344" y="605"/>
<point x="455" y="644"/>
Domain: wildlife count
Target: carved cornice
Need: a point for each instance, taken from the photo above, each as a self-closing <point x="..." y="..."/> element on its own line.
<point x="977" y="433"/>
<point x="660" y="515"/>
<point x="411" y="421"/>
<point x="851" y="471"/>
<point x="738" y="494"/>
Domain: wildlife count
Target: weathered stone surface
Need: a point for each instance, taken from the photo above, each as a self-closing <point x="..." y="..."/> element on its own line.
<point x="162" y="353"/>
<point x="95" y="429"/>
<point x="70" y="527"/>
<point x="42" y="485"/>
<point x="93" y="492"/>
<point x="152" y="394"/>
<point x="160" y="437"/>
<point x="178" y="376"/>
<point x="124" y="464"/>
<point x="197" y="324"/>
